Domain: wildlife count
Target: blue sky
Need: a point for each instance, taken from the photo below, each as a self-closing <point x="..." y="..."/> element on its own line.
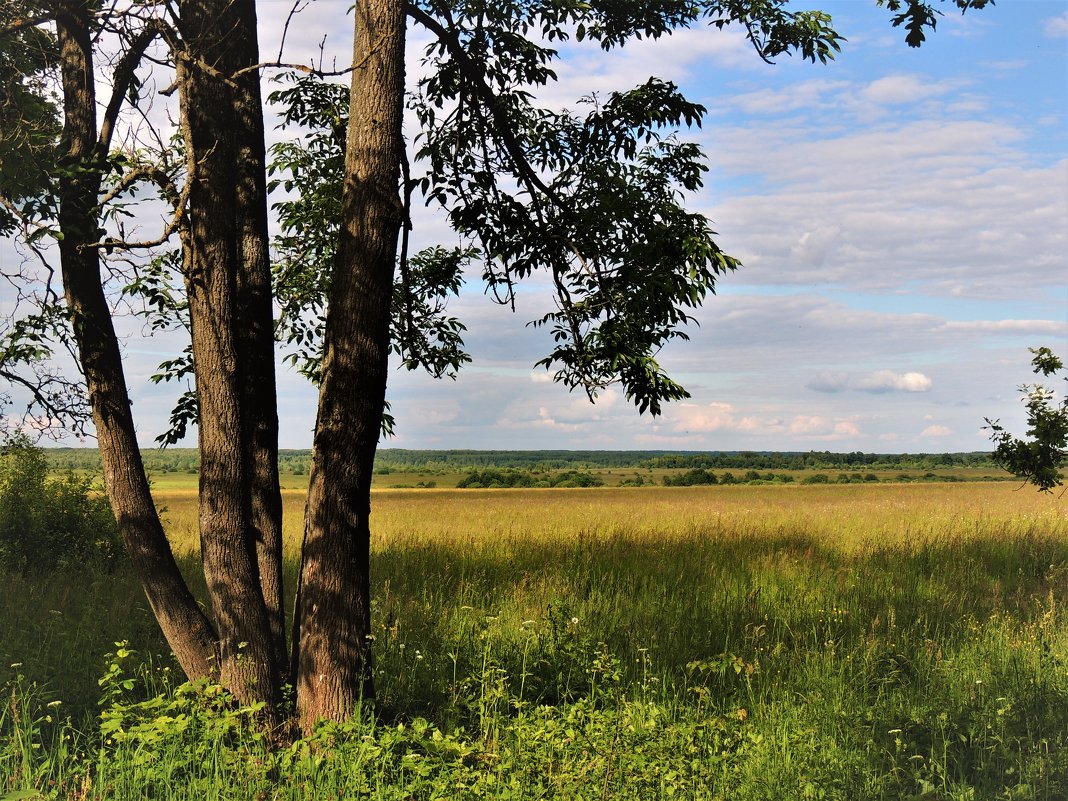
<point x="902" y="216"/>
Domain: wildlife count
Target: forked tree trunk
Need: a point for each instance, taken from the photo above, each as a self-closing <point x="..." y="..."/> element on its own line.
<point x="333" y="605"/>
<point x="226" y="308"/>
<point x="187" y="629"/>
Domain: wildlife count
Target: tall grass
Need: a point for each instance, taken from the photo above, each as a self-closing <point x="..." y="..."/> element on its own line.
<point x="859" y="641"/>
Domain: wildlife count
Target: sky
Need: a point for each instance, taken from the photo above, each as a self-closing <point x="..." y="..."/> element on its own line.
<point x="902" y="219"/>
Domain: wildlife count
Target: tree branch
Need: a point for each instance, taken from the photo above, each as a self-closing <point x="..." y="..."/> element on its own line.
<point x="167" y="188"/>
<point x="475" y="75"/>
<point x="64" y="402"/>
<point x="22" y="23"/>
<point x="122" y="79"/>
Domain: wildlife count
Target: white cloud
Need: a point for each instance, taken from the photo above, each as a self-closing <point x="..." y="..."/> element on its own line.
<point x="936" y="431"/>
<point x="878" y="381"/>
<point x="810" y="424"/>
<point x="1056" y="27"/>
<point x="724" y="418"/>
<point x="845" y="428"/>
<point x="926" y="216"/>
<point x="898" y="89"/>
<point x="1051" y="327"/>
<point x="712" y="417"/>
<point x="889" y="381"/>
<point x="803" y="95"/>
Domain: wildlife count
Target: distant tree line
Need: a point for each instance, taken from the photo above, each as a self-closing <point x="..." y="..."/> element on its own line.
<point x="395" y="460"/>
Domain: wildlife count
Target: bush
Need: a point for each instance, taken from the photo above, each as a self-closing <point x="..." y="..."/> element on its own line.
<point x="495" y="479"/>
<point x="576" y="478"/>
<point x="50" y="524"/>
<point x="691" y="478"/>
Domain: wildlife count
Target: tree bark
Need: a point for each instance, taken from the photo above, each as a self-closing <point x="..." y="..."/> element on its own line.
<point x="255" y="328"/>
<point x="333" y="608"/>
<point x="188" y="631"/>
<point x="222" y="223"/>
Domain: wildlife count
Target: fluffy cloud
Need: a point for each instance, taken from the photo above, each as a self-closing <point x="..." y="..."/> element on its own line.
<point x="846" y="428"/>
<point x="724" y="418"/>
<point x="931" y="213"/>
<point x="889" y="381"/>
<point x="936" y="431"/>
<point x="830" y="382"/>
<point x="713" y="417"/>
<point x="1056" y="27"/>
<point x="876" y="382"/>
<point x="896" y="89"/>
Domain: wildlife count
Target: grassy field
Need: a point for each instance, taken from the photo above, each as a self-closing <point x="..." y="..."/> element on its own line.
<point x="745" y="642"/>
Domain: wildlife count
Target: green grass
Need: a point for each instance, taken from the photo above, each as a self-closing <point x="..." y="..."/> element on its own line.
<point x="847" y="642"/>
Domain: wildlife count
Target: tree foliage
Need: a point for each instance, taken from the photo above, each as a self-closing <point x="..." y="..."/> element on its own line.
<point x="917" y="15"/>
<point x="308" y="171"/>
<point x="1039" y="458"/>
<point x="29" y="117"/>
<point x="49" y="524"/>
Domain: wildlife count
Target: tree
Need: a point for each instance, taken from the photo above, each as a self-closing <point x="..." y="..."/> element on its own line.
<point x="593" y="200"/>
<point x="1037" y="460"/>
<point x="48" y="525"/>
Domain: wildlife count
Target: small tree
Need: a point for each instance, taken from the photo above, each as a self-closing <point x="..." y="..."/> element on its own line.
<point x="49" y="524"/>
<point x="1038" y="459"/>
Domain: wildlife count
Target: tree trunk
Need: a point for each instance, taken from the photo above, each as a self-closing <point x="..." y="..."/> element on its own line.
<point x="187" y="629"/>
<point x="222" y="223"/>
<point x="255" y="328"/>
<point x="333" y="607"/>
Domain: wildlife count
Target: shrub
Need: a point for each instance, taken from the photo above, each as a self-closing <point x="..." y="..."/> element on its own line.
<point x="495" y="479"/>
<point x="691" y="478"/>
<point x="50" y="524"/>
<point x="576" y="478"/>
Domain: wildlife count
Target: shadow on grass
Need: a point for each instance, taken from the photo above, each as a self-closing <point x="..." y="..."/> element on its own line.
<point x="540" y="612"/>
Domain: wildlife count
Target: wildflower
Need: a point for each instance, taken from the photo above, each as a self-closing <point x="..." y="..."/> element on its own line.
<point x="53" y="704"/>
<point x="574" y="621"/>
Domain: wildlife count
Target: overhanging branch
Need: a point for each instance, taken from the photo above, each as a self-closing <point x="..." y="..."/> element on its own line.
<point x="475" y="75"/>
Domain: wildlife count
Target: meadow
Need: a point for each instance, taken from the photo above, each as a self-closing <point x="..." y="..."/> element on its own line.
<point x="738" y="642"/>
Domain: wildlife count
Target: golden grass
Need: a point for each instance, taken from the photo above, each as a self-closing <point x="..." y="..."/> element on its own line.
<point x="852" y="517"/>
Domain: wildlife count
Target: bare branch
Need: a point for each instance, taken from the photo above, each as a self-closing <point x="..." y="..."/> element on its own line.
<point x="55" y="396"/>
<point x="298" y="6"/>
